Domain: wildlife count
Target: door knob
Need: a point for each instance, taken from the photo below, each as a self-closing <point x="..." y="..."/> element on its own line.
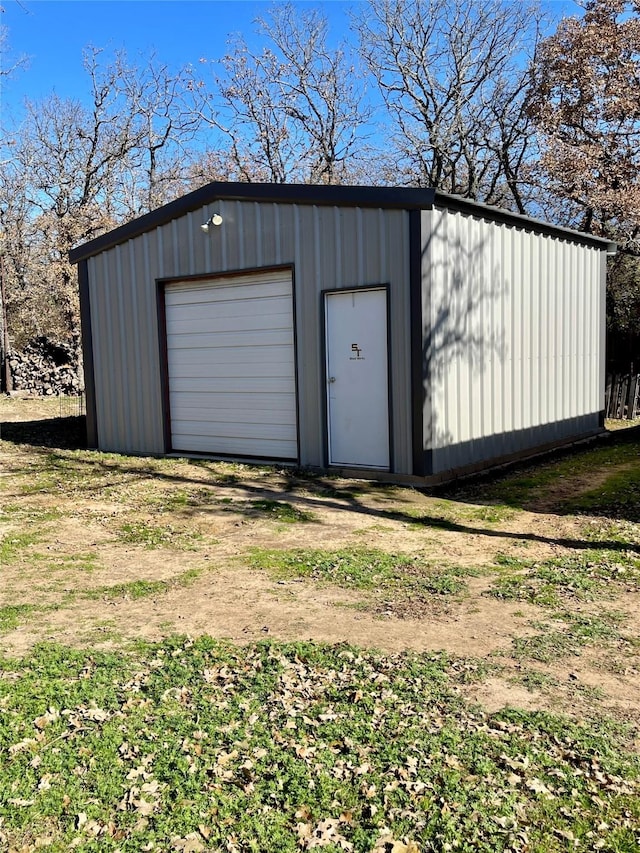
<point x="332" y="379"/>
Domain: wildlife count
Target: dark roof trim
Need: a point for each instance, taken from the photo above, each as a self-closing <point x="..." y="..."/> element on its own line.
<point x="519" y="220"/>
<point x="403" y="198"/>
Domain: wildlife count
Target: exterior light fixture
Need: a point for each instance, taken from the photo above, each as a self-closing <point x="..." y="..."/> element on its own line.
<point x="216" y="219"/>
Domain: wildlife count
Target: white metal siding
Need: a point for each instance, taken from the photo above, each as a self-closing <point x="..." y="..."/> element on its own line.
<point x="231" y="362"/>
<point x="515" y="319"/>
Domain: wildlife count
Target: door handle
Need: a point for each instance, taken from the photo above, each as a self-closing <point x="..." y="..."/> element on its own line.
<point x="332" y="379"/>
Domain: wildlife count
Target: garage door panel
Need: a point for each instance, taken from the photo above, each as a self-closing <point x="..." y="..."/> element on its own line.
<point x="234" y="370"/>
<point x="197" y="415"/>
<point x="245" y="403"/>
<point x="224" y="429"/>
<point x="247" y="385"/>
<point x="204" y="325"/>
<point x="228" y="356"/>
<point x="231" y="365"/>
<point x="224" y="339"/>
<point x="190" y="293"/>
<point x="234" y="311"/>
<point x="237" y="447"/>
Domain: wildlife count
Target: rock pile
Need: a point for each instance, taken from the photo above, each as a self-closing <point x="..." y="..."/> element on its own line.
<point x="46" y="368"/>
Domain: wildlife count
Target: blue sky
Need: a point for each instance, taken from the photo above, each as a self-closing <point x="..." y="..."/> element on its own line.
<point x="52" y="33"/>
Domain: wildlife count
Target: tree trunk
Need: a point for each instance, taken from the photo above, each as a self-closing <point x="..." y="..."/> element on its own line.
<point x="6" y="379"/>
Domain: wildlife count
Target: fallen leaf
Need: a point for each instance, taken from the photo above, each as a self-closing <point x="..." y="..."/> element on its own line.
<point x="539" y="787"/>
<point x="189" y="844"/>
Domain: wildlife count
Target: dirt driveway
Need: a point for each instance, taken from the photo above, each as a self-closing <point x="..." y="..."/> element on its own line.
<point x="102" y="549"/>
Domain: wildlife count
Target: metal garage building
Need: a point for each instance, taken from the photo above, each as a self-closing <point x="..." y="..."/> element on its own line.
<point x="367" y="329"/>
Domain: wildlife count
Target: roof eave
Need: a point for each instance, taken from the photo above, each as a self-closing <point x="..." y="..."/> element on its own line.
<point x="404" y="198"/>
<point x="520" y="220"/>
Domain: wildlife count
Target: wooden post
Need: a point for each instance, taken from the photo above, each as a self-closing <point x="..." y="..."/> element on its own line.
<point x="6" y="380"/>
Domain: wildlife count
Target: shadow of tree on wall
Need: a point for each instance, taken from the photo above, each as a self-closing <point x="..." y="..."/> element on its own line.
<point x="457" y="332"/>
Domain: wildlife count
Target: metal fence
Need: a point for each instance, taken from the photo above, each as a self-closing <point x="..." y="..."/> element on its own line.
<point x="71" y="407"/>
<point x="622" y="396"/>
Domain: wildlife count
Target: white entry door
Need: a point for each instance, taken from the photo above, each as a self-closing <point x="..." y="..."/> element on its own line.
<point x="357" y="381"/>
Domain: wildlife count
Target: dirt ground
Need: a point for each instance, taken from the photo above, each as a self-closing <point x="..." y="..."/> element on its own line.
<point x="215" y="516"/>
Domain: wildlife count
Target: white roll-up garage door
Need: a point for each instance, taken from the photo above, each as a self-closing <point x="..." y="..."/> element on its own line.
<point x="231" y="360"/>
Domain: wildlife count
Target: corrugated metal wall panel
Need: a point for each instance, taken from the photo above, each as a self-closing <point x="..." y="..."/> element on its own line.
<point x="328" y="247"/>
<point x="516" y="320"/>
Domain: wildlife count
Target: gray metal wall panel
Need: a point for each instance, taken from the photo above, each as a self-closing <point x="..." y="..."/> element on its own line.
<point x="517" y="350"/>
<point x="328" y="247"/>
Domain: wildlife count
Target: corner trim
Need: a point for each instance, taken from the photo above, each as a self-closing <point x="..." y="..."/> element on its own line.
<point x="87" y="355"/>
<point x="161" y="313"/>
<point x="416" y="326"/>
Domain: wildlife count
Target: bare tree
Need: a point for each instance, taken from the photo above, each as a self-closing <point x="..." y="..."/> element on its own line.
<point x="79" y="170"/>
<point x="165" y="124"/>
<point x="70" y="161"/>
<point x="454" y="77"/>
<point x="9" y="63"/>
<point x="294" y="111"/>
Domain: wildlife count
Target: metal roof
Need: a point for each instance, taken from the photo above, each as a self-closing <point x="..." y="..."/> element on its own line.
<point x="406" y="198"/>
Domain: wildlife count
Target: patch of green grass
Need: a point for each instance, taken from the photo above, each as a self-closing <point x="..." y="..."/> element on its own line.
<point x="156" y="536"/>
<point x="13" y="544"/>
<point x="545" y="647"/>
<point x="180" y="500"/>
<point x="131" y="589"/>
<point x="554" y="643"/>
<point x="356" y="568"/>
<point x="372" y="528"/>
<point x="583" y="576"/>
<point x="436" y="520"/>
<point x="603" y="626"/>
<point x="342" y="493"/>
<point x="397" y="580"/>
<point x="11" y="615"/>
<point x="618" y="497"/>
<point x="590" y="692"/>
<point x="280" y="511"/>
<point x="454" y="516"/>
<point x="621" y="532"/>
<point x="84" y="562"/>
<point x="143" y="588"/>
<point x="29" y="514"/>
<point x="102" y="631"/>
<point x="534" y="482"/>
<point x="17" y="547"/>
<point x="201" y="745"/>
<point x="507" y="561"/>
<point x="535" y="680"/>
<point x="516" y="587"/>
<point x="490" y="514"/>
